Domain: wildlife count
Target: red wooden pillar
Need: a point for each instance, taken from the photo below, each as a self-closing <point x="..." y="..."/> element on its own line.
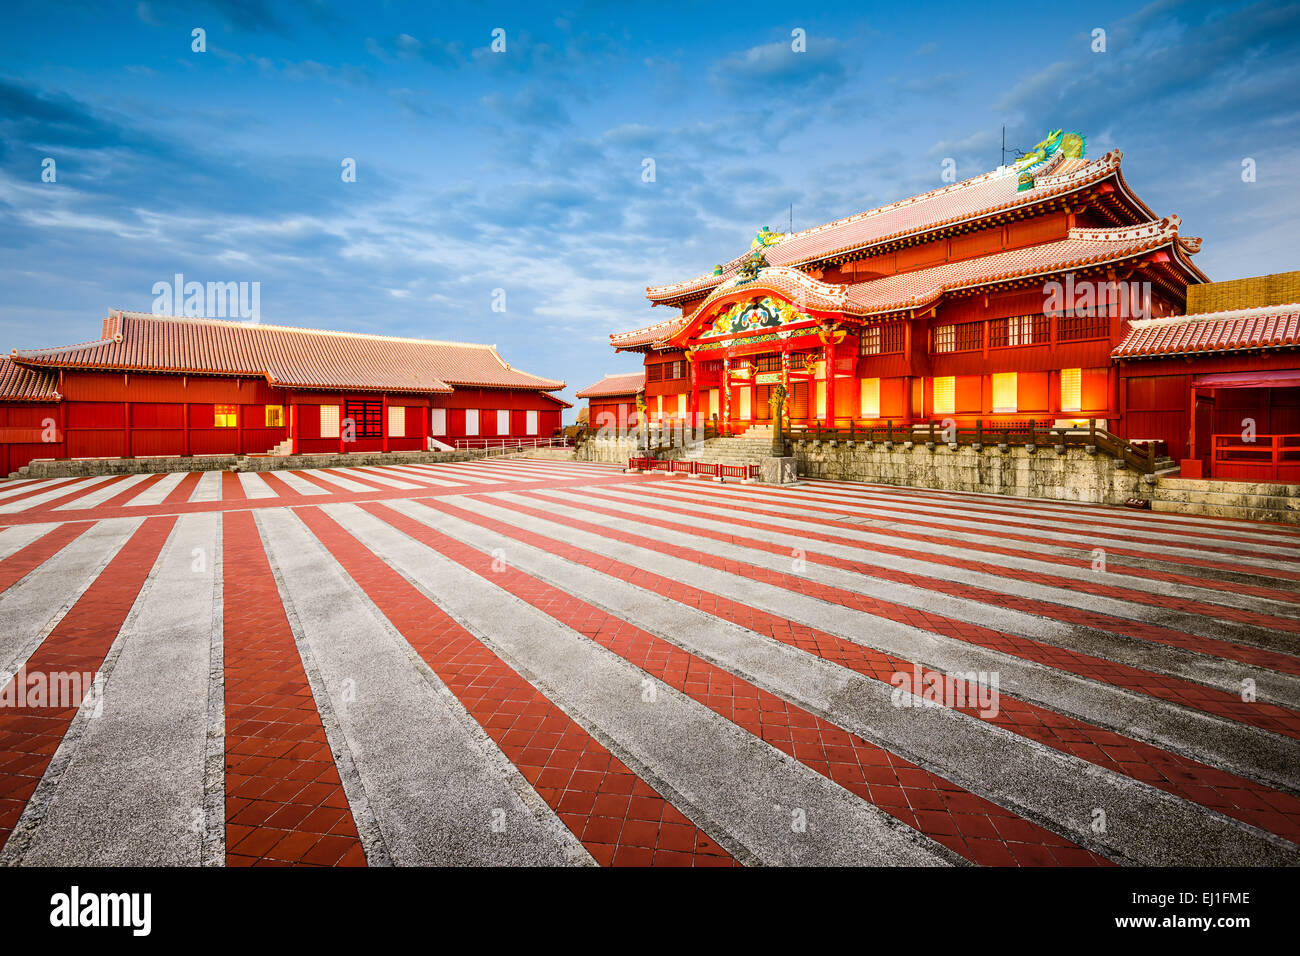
<point x="186" y="446"/>
<point x="294" y="430"/>
<point x="830" y="381"/>
<point x="724" y="425"/>
<point x="693" y="369"/>
<point x="126" y="428"/>
<point x="383" y="423"/>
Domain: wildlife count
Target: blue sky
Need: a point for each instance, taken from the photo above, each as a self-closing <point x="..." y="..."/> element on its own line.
<point x="522" y="170"/>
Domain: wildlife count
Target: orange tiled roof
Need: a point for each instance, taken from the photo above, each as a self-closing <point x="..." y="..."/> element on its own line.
<point x="287" y="357"/>
<point x="975" y="198"/>
<point x="623" y="383"/>
<point x="923" y="287"/>
<point x="1234" y="330"/>
<point x="19" y="384"/>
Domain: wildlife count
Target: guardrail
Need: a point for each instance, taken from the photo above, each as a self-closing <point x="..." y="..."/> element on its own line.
<point x="709" y="469"/>
<point x="1138" y="454"/>
<point x="467" y="443"/>
<point x="1266" y="458"/>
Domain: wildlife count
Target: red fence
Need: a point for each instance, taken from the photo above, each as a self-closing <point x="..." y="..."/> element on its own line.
<point x="1267" y="458"/>
<point x="707" y="468"/>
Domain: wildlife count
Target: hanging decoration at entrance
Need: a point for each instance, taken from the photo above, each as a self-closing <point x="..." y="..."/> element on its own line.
<point x="743" y="317"/>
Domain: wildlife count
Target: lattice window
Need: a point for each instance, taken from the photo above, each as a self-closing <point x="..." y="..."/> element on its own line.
<point x="329" y="421"/>
<point x="869" y="343"/>
<point x="945" y="395"/>
<point x="1071" y="389"/>
<point x="963" y="337"/>
<point x="1078" y="324"/>
<point x="367" y="417"/>
<point x="654" y="373"/>
<point x="767" y="363"/>
<point x="1019" y="330"/>
<point x="225" y="416"/>
<point x="396" y="421"/>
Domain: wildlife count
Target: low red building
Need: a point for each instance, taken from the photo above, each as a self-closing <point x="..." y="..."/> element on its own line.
<point x="160" y="385"/>
<point x="612" y="402"/>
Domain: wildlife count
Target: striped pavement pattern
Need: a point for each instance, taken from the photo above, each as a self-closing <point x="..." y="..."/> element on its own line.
<point x="528" y="662"/>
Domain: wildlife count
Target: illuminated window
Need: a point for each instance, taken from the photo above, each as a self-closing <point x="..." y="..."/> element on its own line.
<point x="329" y="421"/>
<point x="274" y="416"/>
<point x="226" y="416"/>
<point x="681" y="405"/>
<point x="396" y="421"/>
<point x="870" y="398"/>
<point x="471" y="421"/>
<point x="945" y="395"/>
<point x="1004" y="391"/>
<point x="1071" y="389"/>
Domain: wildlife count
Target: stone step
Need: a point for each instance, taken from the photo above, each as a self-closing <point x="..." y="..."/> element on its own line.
<point x="1287" y="516"/>
<point x="1231" y="499"/>
<point x="1242" y="487"/>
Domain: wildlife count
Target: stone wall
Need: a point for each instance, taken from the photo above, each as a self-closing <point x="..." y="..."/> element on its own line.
<point x="609" y="450"/>
<point x="1070" y="475"/>
<point x="86" y="467"/>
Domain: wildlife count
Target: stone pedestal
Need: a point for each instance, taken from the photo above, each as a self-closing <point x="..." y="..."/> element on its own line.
<point x="778" y="471"/>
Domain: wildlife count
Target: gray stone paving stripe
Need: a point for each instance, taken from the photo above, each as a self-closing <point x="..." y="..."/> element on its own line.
<point x="35" y="501"/>
<point x="300" y="484"/>
<point x="477" y="474"/>
<point x="10" y="488"/>
<point x="379" y="475"/>
<point x="155" y="493"/>
<point x="432" y="777"/>
<point x="16" y="537"/>
<point x="130" y="791"/>
<point x="868" y="512"/>
<point x="1082" y="555"/>
<point x="102" y="493"/>
<point x="1145" y="826"/>
<point x="35" y="605"/>
<point x="208" y="488"/>
<point x="726" y="779"/>
<point x="255" y="487"/>
<point x="1204" y="668"/>
<point x="346" y="484"/>
<point x="1240" y="748"/>
<point x="1191" y="623"/>
<point x="696" y="501"/>
<point x="427" y="476"/>
<point x="1024" y="516"/>
<point x="1135" y="519"/>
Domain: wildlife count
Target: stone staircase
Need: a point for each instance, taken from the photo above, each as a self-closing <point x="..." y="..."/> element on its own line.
<point x="1228" y="499"/>
<point x="281" y="450"/>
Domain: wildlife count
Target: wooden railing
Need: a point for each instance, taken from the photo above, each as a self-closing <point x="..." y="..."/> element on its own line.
<point x="1139" y="455"/>
<point x="710" y="469"/>
<point x="1267" y="458"/>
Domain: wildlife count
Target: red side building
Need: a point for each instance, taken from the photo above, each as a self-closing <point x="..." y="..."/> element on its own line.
<point x="160" y="385"/>
<point x="612" y="402"/>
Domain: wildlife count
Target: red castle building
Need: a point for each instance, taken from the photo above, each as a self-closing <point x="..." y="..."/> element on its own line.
<point x="612" y="402"/>
<point x="1004" y="298"/>
<point x="160" y="385"/>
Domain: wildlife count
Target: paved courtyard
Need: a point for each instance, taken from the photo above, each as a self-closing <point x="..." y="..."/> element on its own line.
<point x="539" y="662"/>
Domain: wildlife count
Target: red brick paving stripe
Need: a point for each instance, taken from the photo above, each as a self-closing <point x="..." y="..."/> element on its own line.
<point x="1234" y="796"/>
<point x="33" y="492"/>
<point x="337" y="495"/>
<point x="969" y="825"/>
<point x="1259" y="714"/>
<point x="284" y="799"/>
<point x="619" y="818"/>
<point x="312" y="479"/>
<point x="1152" y="632"/>
<point x="1146" y="520"/>
<point x="279" y="485"/>
<point x="140" y="487"/>
<point x="232" y="489"/>
<point x="181" y="493"/>
<point x="369" y="483"/>
<point x="78" y="644"/>
<point x="1042" y="527"/>
<point x="46" y="506"/>
<point x="986" y="547"/>
<point x="1059" y="536"/>
<point x="27" y="559"/>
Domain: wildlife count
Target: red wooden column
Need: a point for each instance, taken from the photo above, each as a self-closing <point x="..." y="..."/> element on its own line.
<point x="293" y="427"/>
<point x="830" y="381"/>
<point x="126" y="428"/>
<point x="694" y="372"/>
<point x="724" y="423"/>
<point x="186" y="447"/>
<point x="383" y="424"/>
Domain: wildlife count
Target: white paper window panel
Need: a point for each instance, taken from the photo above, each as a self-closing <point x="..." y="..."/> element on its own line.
<point x="530" y="424"/>
<point x="329" y="421"/>
<point x="503" y="422"/>
<point x="396" y="421"/>
<point x="471" y="421"/>
<point x="439" y="420"/>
